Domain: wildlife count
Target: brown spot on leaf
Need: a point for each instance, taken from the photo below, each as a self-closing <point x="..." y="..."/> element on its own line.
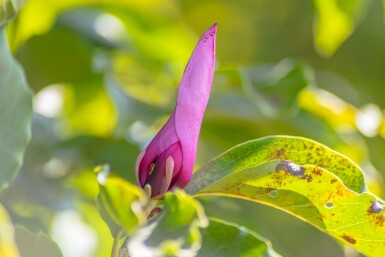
<point x="334" y="180"/>
<point x="268" y="189"/>
<point x="316" y="172"/>
<point x="377" y="218"/>
<point x="340" y="190"/>
<point x="380" y="220"/>
<point x="349" y="239"/>
<point x="280" y="152"/>
<point x="278" y="179"/>
<point x="309" y="178"/>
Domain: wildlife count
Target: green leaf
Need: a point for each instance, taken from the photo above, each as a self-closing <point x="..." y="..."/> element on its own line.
<point x="314" y="195"/>
<point x="224" y="239"/>
<point x="7" y="11"/>
<point x="7" y="235"/>
<point x="274" y="90"/>
<point x="93" y="150"/>
<point x="15" y="113"/>
<point x="39" y="245"/>
<point x="296" y="149"/>
<point x="42" y="69"/>
<point x="120" y="204"/>
<point x="175" y="231"/>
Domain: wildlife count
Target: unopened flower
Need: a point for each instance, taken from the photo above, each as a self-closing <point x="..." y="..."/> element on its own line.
<point x="168" y="160"/>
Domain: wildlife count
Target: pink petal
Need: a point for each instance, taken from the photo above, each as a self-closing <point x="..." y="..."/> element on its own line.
<point x="158" y="178"/>
<point x="166" y="137"/>
<point x="193" y="95"/>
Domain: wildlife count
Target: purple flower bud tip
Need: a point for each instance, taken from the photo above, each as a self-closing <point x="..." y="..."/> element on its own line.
<point x="168" y="161"/>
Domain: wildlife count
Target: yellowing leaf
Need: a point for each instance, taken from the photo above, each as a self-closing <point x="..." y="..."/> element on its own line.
<point x="305" y="179"/>
<point x="314" y="195"/>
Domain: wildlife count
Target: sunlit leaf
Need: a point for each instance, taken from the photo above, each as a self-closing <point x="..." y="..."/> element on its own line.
<point x="120" y="204"/>
<point x="15" y="113"/>
<point x="314" y="195"/>
<point x="174" y="232"/>
<point x="7" y="235"/>
<point x="335" y="21"/>
<point x="224" y="239"/>
<point x="29" y="24"/>
<point x="340" y="114"/>
<point x="296" y="149"/>
<point x="88" y="110"/>
<point x="36" y="244"/>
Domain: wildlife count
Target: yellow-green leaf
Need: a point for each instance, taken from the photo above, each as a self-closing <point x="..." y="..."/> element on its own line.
<point x="335" y="21"/>
<point x="121" y="205"/>
<point x="296" y="149"/>
<point x="314" y="195"/>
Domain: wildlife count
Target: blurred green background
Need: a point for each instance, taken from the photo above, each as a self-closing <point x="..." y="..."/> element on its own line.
<point x="105" y="76"/>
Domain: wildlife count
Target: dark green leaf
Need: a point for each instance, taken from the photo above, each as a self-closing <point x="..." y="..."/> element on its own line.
<point x="221" y="239"/>
<point x="69" y="59"/>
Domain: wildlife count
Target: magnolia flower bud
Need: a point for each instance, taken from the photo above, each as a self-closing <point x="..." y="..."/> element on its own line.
<point x="168" y="161"/>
